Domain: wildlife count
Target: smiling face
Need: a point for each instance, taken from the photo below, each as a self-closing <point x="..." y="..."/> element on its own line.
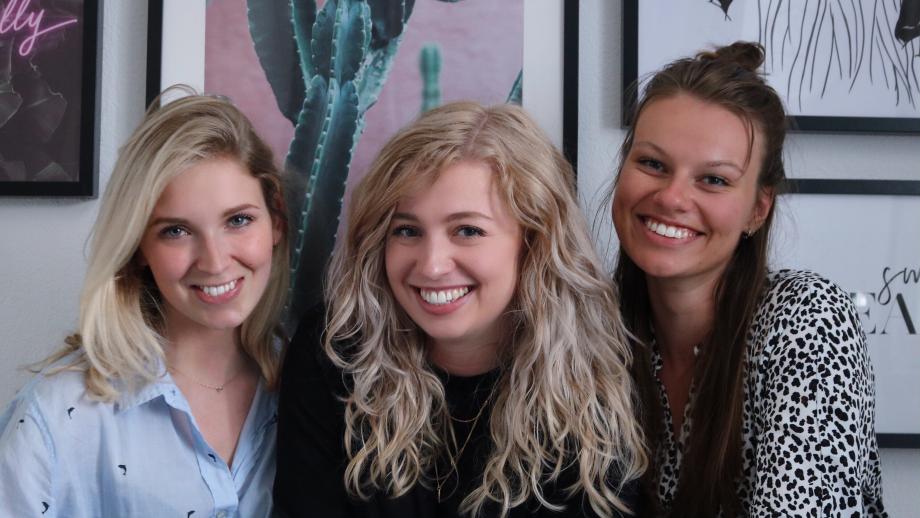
<point x="452" y="257"/>
<point x="209" y="246"/>
<point x="687" y="190"/>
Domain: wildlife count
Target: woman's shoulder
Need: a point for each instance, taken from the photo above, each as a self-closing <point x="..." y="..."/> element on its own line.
<point x="795" y="295"/>
<point x="803" y="285"/>
<point x="54" y="395"/>
<point x="60" y="380"/>
<point x="804" y="311"/>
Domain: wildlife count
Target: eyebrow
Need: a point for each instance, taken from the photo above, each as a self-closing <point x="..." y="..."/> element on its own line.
<point x="714" y="163"/>
<point x="180" y="221"/>
<point x="725" y="163"/>
<point x="652" y="145"/>
<point x="452" y="217"/>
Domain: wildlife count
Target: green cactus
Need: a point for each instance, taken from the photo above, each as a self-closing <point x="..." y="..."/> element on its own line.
<point x="326" y="69"/>
<point x="429" y="63"/>
<point x="517" y="90"/>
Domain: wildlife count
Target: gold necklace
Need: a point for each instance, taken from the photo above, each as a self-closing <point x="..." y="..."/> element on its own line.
<point x="438" y="481"/>
<point x="217" y="388"/>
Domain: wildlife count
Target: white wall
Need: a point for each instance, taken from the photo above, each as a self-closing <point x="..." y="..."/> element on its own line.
<point x="812" y="156"/>
<point x="42" y="258"/>
<point x="542" y="80"/>
<point x="42" y="247"/>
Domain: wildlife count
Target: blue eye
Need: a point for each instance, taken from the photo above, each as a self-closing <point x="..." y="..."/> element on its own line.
<point x="651" y="163"/>
<point x="240" y="220"/>
<point x="470" y="231"/>
<point x="173" y="232"/>
<point x="405" y="231"/>
<point x="715" y="180"/>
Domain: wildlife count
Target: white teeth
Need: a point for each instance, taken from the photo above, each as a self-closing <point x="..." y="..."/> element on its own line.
<point x="216" y="291"/>
<point x="441" y="297"/>
<point x="667" y="230"/>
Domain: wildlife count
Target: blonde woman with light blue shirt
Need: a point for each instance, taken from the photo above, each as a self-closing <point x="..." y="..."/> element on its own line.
<point x="162" y="403"/>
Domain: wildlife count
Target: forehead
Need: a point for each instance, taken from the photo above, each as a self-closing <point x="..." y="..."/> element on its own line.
<point x="212" y="182"/>
<point x="685" y="124"/>
<point x="467" y="185"/>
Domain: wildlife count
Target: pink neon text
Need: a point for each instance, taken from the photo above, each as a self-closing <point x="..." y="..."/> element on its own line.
<point x="17" y="16"/>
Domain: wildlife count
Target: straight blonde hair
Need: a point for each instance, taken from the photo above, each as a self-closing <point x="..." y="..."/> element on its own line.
<point x="564" y="397"/>
<point x="119" y="342"/>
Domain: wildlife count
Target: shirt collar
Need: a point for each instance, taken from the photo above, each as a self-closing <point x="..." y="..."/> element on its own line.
<point x="163" y="386"/>
<point x="263" y="401"/>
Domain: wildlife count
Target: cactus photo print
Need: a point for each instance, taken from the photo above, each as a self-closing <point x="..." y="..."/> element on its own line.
<point x="327" y="83"/>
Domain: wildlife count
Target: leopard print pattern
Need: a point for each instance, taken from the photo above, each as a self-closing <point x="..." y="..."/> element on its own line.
<point x="809" y="445"/>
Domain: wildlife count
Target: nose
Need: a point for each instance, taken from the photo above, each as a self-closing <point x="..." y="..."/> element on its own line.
<point x="213" y="256"/>
<point x="435" y="258"/>
<point x="674" y="194"/>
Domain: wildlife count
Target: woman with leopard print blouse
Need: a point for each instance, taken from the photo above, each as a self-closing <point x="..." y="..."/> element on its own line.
<point x="757" y="390"/>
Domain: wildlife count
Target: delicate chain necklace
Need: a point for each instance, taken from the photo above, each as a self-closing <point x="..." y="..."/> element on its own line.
<point x="217" y="388"/>
<point x="438" y="481"/>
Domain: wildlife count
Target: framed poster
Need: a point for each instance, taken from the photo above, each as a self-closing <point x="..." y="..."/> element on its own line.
<point x="570" y="83"/>
<point x="48" y="97"/>
<point x="881" y="272"/>
<point x="408" y="57"/>
<point x="477" y="61"/>
<point x="839" y="66"/>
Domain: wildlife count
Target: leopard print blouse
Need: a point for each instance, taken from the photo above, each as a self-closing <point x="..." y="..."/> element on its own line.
<point x="808" y="429"/>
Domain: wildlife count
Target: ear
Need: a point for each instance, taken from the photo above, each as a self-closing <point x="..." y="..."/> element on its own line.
<point x="762" y="205"/>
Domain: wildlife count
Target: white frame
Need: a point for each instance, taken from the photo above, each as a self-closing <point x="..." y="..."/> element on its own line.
<point x="852" y="240"/>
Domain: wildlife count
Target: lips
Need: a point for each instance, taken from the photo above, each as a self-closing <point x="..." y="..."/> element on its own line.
<point x="217" y="293"/>
<point x="219" y="289"/>
<point x="443" y="301"/>
<point x="670" y="231"/>
<point x="440" y="297"/>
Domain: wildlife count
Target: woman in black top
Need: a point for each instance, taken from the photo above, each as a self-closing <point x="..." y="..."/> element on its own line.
<point x="468" y="363"/>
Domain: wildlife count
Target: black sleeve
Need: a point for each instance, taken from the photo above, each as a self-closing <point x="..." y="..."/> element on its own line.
<point x="311" y="453"/>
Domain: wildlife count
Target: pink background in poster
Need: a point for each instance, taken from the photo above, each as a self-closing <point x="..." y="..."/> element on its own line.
<point x="481" y="44"/>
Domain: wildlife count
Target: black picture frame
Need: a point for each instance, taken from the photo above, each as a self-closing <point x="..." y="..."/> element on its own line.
<point x="841" y="241"/>
<point x="154" y="50"/>
<point x="831" y="124"/>
<point x="570" y="83"/>
<point x="875" y="125"/>
<point x="74" y="142"/>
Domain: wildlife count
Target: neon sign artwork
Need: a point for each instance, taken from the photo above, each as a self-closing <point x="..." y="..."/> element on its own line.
<point x="17" y="17"/>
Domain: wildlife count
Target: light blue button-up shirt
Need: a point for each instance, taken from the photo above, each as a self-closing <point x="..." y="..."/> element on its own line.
<point x="63" y="454"/>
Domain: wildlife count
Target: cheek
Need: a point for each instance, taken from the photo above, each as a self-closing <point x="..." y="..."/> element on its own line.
<point x="392" y="265"/>
<point x="734" y="217"/>
<point x="616" y="207"/>
<point x="505" y="268"/>
<point x="256" y="249"/>
<point x="619" y="209"/>
<point x="166" y="263"/>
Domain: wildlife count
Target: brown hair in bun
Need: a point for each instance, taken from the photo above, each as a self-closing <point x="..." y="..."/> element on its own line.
<point x="729" y="77"/>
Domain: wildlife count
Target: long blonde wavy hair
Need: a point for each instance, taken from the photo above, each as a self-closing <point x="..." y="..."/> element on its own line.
<point x="119" y="342"/>
<point x="564" y="396"/>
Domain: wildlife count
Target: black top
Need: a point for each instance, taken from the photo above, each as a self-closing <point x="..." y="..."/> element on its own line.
<point x="311" y="452"/>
